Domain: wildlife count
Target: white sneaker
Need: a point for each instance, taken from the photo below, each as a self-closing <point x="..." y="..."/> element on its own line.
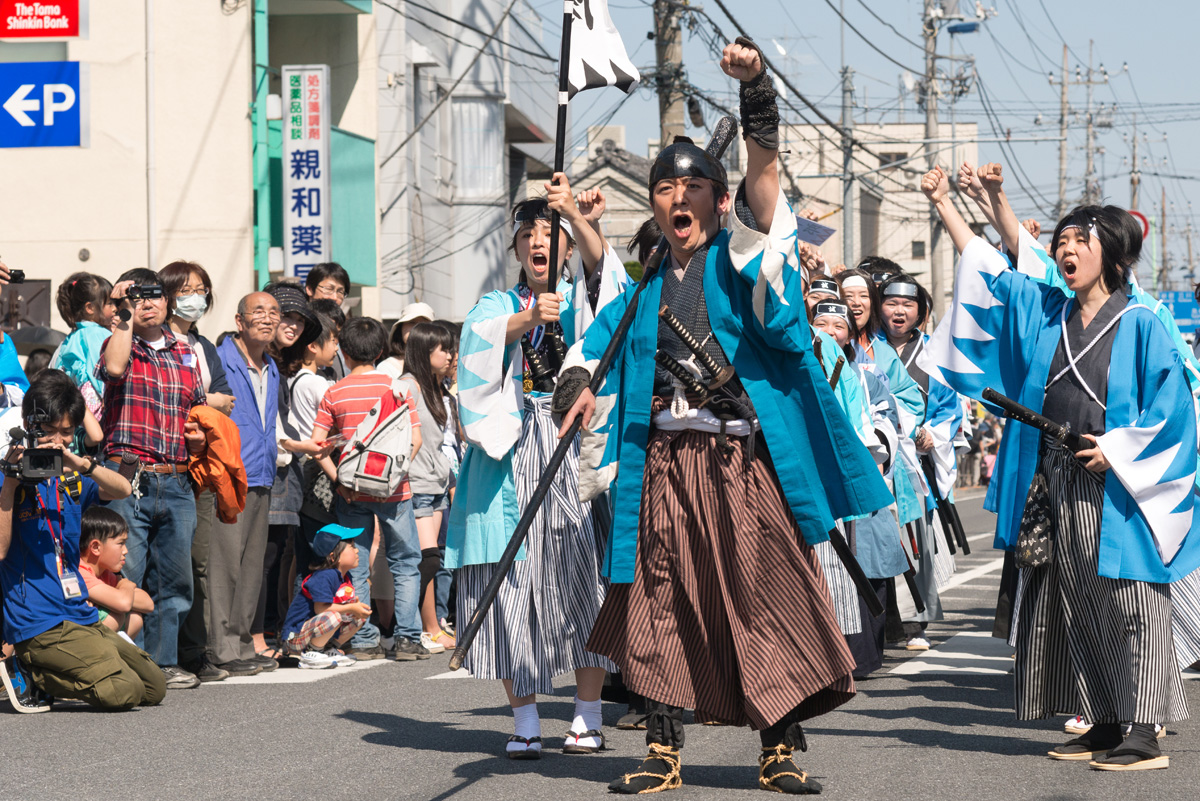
<point x="340" y="658"/>
<point x="917" y="644"/>
<point x="431" y="646"/>
<point x="315" y="660"/>
<point x="1077" y="726"/>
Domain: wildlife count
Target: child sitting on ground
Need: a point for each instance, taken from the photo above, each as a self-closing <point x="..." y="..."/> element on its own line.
<point x="101" y="556"/>
<point x="326" y="608"/>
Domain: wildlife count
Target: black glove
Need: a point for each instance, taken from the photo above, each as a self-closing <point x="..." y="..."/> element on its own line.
<point x="570" y="386"/>
<point x="760" y="114"/>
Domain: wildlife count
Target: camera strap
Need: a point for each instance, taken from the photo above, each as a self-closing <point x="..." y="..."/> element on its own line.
<point x="66" y="577"/>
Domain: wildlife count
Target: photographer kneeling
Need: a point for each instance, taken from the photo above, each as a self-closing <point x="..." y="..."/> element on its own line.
<point x="60" y="644"/>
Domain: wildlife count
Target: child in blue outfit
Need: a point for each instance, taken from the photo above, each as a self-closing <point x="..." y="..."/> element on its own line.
<point x="326" y="608"/>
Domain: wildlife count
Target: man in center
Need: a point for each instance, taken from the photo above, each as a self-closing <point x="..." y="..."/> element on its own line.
<point x="718" y="602"/>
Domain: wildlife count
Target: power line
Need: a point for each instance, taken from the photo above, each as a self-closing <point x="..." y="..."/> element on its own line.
<point x="863" y="36"/>
<point x="468" y="26"/>
<point x="917" y="45"/>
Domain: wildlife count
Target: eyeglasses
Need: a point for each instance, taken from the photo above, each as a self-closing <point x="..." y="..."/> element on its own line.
<point x="187" y="293"/>
<point x="258" y="314"/>
<point x="332" y="289"/>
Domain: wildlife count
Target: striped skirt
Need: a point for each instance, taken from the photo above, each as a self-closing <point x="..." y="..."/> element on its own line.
<point x="1087" y="644"/>
<point x="729" y="612"/>
<point x="539" y="625"/>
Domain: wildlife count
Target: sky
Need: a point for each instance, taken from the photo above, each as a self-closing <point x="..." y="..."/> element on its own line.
<point x="1014" y="51"/>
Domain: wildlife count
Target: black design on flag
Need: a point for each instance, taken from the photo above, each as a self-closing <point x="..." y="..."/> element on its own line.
<point x="598" y="56"/>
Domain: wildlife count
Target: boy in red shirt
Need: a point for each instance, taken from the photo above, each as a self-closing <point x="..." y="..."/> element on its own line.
<point x="344" y="406"/>
<point x="122" y="604"/>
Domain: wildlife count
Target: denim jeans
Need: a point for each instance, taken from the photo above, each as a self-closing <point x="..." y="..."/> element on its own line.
<point x="161" y="524"/>
<point x="398" y="528"/>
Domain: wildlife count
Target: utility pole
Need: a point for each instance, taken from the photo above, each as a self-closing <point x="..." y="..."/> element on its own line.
<point x="1190" y="264"/>
<point x="1135" y="173"/>
<point x="929" y="32"/>
<point x="668" y="55"/>
<point x="1060" y="210"/>
<point x="1090" y="193"/>
<point x="1162" y="227"/>
<point x="847" y="167"/>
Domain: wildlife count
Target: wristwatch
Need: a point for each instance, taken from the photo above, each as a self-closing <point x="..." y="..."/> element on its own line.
<point x="91" y="468"/>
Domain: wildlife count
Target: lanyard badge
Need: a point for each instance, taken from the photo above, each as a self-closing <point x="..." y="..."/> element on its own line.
<point x="66" y="577"/>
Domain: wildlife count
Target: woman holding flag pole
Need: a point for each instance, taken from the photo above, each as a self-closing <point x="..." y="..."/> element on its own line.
<point x="512" y="347"/>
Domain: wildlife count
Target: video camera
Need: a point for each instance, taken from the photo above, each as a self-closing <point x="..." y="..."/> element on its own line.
<point x="37" y="464"/>
<point x="144" y="292"/>
<point x="16" y="276"/>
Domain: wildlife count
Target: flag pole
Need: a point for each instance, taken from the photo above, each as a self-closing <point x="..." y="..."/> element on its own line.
<point x="560" y="134"/>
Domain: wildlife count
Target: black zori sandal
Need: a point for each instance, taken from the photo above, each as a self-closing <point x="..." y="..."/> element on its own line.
<point x="572" y="745"/>
<point x="528" y="752"/>
<point x="777" y="773"/>
<point x="1099" y="741"/>
<point x="660" y="772"/>
<point x="1140" y="751"/>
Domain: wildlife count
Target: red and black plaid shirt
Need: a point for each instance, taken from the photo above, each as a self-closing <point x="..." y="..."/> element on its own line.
<point x="146" y="408"/>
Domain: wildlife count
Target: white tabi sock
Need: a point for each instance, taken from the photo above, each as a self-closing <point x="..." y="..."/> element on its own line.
<point x="527" y="724"/>
<point x="587" y="718"/>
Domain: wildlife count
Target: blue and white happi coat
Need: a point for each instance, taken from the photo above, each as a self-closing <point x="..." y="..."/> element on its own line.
<point x="491" y="408"/>
<point x="1002" y="332"/>
<point x="754" y="293"/>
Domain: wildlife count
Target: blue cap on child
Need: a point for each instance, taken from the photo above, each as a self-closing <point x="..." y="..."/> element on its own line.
<point x="328" y="538"/>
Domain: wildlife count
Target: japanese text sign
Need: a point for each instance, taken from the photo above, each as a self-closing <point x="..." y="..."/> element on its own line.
<point x="306" y="178"/>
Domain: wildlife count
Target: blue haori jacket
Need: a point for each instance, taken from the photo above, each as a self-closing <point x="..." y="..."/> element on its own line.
<point x="259" y="444"/>
<point x="1002" y="332"/>
<point x="752" y="285"/>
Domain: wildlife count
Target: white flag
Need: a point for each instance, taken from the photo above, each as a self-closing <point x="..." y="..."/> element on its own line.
<point x="598" y="56"/>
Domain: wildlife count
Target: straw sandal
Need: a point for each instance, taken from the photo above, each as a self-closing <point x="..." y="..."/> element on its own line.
<point x="660" y="772"/>
<point x="777" y="773"/>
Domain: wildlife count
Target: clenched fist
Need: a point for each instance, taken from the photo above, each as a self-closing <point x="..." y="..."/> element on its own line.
<point x="740" y="62"/>
<point x="990" y="177"/>
<point x="935" y="184"/>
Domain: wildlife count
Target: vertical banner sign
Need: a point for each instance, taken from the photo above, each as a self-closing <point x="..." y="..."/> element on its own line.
<point x="305" y="168"/>
<point x="28" y="19"/>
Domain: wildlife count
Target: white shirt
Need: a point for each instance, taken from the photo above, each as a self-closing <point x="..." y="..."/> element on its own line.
<point x="307" y="390"/>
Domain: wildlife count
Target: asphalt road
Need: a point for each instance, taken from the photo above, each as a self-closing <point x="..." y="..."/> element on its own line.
<point x="933" y="726"/>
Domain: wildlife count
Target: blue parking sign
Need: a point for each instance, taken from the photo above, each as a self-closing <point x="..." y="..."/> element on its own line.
<point x="43" y="104"/>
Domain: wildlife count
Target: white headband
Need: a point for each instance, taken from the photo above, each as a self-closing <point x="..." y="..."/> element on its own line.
<point x="566" y="226"/>
<point x="854" y="281"/>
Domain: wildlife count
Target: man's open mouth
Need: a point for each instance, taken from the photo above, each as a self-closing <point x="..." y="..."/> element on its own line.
<point x="681" y="223"/>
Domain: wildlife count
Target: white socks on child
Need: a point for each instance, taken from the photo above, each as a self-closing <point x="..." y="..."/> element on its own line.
<point x="528" y="725"/>
<point x="587" y="718"/>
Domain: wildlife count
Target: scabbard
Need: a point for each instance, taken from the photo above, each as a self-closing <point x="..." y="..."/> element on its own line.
<point x="910" y="578"/>
<point x="939" y="503"/>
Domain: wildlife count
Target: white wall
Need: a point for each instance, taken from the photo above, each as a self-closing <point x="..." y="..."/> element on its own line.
<point x="59" y="200"/>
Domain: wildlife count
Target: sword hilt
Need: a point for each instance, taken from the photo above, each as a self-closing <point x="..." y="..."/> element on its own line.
<point x="720" y="375"/>
<point x="689" y="381"/>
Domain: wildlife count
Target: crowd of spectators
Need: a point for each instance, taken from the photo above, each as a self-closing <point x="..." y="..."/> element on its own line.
<point x="170" y="511"/>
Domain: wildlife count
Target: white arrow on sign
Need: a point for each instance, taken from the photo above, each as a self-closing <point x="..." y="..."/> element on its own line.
<point x="19" y="103"/>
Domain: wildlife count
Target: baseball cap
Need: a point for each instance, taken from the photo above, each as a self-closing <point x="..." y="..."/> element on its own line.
<point x="328" y="538"/>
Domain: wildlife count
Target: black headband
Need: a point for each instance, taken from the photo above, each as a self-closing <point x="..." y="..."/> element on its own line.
<point x="879" y="278"/>
<point x="826" y="285"/>
<point x="836" y="308"/>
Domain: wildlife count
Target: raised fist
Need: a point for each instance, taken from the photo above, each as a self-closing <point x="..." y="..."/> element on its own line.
<point x="990" y="177"/>
<point x="968" y="181"/>
<point x="591" y="204"/>
<point x="559" y="197"/>
<point x="1033" y="227"/>
<point x="935" y="184"/>
<point x="741" y="62"/>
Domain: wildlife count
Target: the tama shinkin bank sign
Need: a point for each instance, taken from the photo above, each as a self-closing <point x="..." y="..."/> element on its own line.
<point x="34" y="20"/>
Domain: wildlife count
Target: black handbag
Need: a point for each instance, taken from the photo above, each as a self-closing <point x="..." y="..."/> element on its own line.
<point x="1034" y="544"/>
<point x="319" y="494"/>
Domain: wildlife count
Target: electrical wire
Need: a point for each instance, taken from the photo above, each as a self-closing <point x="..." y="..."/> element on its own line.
<point x="863" y="36"/>
<point x="896" y="31"/>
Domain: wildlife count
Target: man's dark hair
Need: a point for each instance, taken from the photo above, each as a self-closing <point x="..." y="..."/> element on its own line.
<point x="1120" y="240"/>
<point x="140" y="276"/>
<point x="330" y="308"/>
<point x="37" y="361"/>
<point x="878" y="264"/>
<point x="363" y="340"/>
<point x="327" y="269"/>
<point x="101" y="524"/>
<point x="53" y="396"/>
<point x="645" y="240"/>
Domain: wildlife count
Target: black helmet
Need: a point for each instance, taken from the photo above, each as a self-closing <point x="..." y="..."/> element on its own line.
<point x="684" y="158"/>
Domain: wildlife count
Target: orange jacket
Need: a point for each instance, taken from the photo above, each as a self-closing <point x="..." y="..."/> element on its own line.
<point x="219" y="466"/>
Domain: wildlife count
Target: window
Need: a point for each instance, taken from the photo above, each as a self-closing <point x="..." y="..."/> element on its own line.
<point x="918" y="249"/>
<point x="478" y="129"/>
<point x="888" y="159"/>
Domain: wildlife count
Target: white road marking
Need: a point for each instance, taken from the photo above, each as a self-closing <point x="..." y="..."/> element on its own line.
<point x="990" y="535"/>
<point x="291" y="675"/>
<point x="968" y="576"/>
<point x="968" y="652"/>
<point x="461" y="673"/>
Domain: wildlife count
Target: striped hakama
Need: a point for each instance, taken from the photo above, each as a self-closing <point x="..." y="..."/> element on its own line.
<point x="538" y="627"/>
<point x="1087" y="644"/>
<point x="729" y="612"/>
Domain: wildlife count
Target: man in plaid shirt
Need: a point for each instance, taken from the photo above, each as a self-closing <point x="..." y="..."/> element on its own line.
<point x="152" y="381"/>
